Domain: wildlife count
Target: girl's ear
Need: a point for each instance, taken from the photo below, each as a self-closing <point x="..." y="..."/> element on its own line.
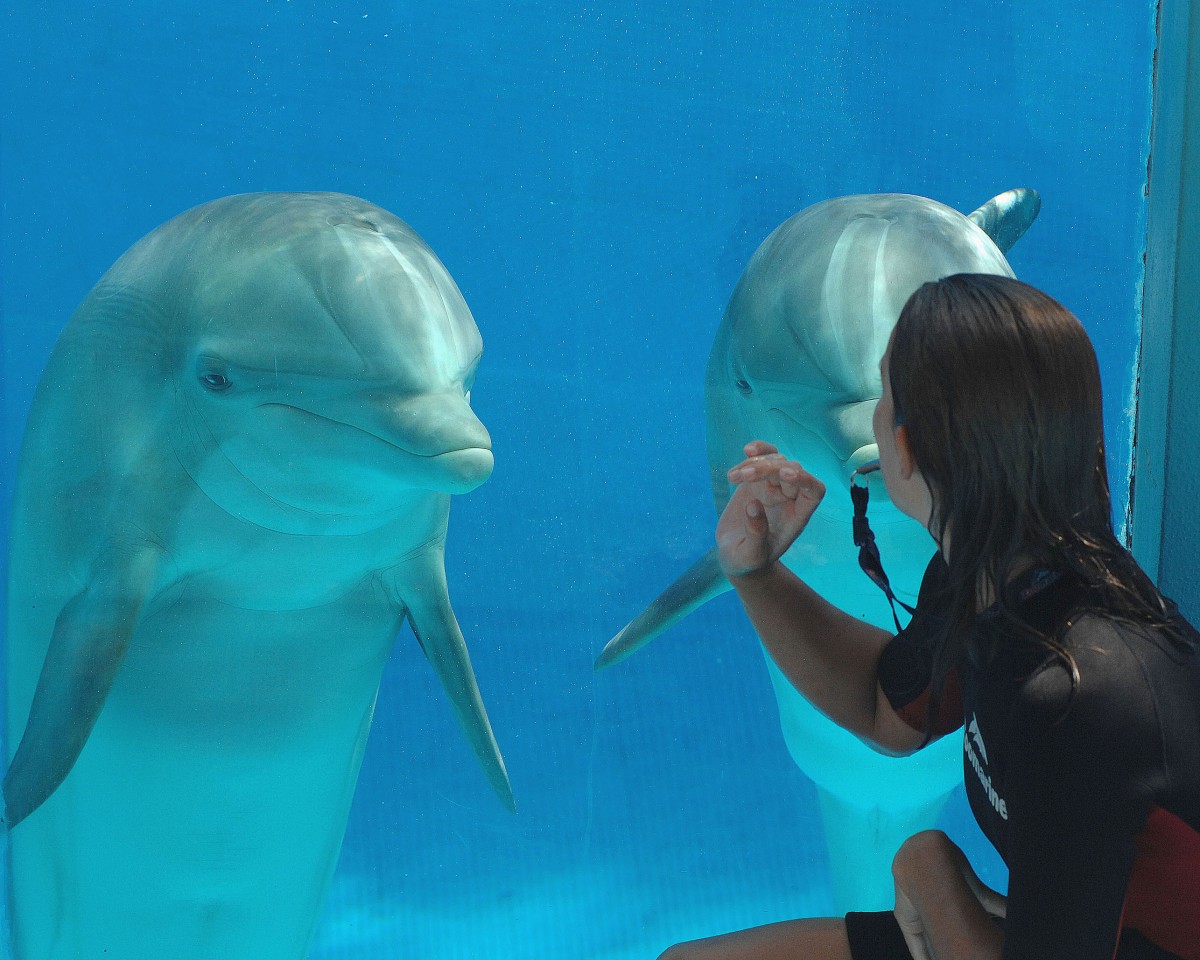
<point x="908" y="465"/>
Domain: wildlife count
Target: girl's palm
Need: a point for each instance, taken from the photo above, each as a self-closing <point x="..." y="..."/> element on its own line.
<point x="770" y="507"/>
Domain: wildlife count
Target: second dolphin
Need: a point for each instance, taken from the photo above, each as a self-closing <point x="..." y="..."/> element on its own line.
<point x="795" y="362"/>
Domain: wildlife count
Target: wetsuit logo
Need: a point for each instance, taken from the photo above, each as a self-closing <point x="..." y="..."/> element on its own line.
<point x="973" y="730"/>
<point x="973" y="745"/>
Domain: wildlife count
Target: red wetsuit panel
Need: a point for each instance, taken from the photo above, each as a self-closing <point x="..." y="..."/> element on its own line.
<point x="950" y="710"/>
<point x="1163" y="903"/>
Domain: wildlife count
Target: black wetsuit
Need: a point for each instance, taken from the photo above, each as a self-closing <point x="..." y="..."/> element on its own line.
<point x="1093" y="797"/>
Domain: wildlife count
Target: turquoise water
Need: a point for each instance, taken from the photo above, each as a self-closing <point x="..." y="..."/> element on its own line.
<point x="595" y="177"/>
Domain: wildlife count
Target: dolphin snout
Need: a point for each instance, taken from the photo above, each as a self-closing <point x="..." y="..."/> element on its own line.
<point x="436" y="442"/>
<point x="864" y="454"/>
<point x="845" y="431"/>
<point x="451" y="446"/>
<point x="427" y="424"/>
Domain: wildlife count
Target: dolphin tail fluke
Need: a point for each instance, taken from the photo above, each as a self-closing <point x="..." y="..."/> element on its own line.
<point x="699" y="584"/>
<point x="1006" y="218"/>
<point x="437" y="630"/>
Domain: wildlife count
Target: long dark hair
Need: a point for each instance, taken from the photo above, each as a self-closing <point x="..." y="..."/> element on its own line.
<point x="998" y="387"/>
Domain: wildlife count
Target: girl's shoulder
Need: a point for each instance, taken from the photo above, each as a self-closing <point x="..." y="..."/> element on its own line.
<point x="1112" y="676"/>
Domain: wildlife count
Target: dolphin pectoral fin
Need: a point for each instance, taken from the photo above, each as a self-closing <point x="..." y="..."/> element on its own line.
<point x="433" y="621"/>
<point x="699" y="584"/>
<point x="91" y="635"/>
<point x="1006" y="217"/>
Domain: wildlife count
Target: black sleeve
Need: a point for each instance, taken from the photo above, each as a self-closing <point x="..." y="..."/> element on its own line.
<point x="1078" y="790"/>
<point x="906" y="666"/>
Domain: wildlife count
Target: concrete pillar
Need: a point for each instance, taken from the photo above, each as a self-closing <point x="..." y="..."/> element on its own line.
<point x="1165" y="500"/>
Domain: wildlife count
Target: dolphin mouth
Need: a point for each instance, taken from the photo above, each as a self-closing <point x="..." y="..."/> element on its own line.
<point x="451" y="469"/>
<point x="847" y="455"/>
<point x="393" y="442"/>
<point x="461" y="471"/>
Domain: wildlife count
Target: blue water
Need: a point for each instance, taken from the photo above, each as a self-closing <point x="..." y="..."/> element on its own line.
<point x="595" y="177"/>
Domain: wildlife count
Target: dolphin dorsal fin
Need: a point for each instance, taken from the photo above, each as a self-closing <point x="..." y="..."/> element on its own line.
<point x="1006" y="218"/>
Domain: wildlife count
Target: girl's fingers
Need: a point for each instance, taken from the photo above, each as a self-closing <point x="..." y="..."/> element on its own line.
<point x="783" y="479"/>
<point x="797" y="483"/>
<point x="758" y="448"/>
<point x="766" y="466"/>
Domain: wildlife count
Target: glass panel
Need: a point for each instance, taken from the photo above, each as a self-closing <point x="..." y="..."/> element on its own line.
<point x="594" y="177"/>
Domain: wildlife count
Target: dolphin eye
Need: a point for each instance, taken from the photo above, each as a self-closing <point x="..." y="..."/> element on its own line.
<point x="744" y="387"/>
<point x="216" y="382"/>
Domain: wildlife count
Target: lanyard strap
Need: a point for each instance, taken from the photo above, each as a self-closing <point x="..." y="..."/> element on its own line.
<point x="868" y="550"/>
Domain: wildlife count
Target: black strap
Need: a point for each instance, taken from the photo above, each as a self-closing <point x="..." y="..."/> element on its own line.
<point x="868" y="550"/>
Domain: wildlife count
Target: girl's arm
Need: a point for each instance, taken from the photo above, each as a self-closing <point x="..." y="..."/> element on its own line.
<point x="830" y="656"/>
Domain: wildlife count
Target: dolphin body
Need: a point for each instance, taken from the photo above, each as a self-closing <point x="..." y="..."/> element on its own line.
<point x="233" y="490"/>
<point x="795" y="362"/>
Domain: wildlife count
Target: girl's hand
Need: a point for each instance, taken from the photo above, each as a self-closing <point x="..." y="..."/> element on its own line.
<point x="911" y="925"/>
<point x="773" y="502"/>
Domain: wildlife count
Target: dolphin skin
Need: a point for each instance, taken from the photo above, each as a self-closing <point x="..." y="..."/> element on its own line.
<point x="233" y="490"/>
<point x="795" y="362"/>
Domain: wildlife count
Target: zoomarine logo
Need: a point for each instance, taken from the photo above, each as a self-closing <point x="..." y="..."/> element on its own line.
<point x="974" y="748"/>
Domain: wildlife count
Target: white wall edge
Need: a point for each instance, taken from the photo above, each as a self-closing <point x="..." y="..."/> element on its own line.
<point x="1175" y="81"/>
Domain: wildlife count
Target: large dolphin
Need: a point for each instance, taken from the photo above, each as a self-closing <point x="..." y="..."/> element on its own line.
<point x="795" y="362"/>
<point x="233" y="491"/>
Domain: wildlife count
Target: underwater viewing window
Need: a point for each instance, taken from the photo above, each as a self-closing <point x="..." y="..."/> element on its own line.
<point x="399" y="330"/>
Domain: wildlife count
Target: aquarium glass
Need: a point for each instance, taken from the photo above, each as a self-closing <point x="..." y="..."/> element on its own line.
<point x="595" y="177"/>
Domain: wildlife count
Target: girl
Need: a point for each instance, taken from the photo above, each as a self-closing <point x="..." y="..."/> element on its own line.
<point x="1076" y="683"/>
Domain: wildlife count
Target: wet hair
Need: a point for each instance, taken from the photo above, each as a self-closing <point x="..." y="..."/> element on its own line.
<point x="998" y="387"/>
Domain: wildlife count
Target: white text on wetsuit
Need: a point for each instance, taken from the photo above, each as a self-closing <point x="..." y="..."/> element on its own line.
<point x="972" y="734"/>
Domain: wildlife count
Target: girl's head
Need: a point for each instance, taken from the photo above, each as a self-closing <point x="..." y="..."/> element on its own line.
<point x="996" y="389"/>
<point x="992" y="397"/>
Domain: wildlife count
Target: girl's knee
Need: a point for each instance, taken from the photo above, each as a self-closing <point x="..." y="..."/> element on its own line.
<point x="922" y="851"/>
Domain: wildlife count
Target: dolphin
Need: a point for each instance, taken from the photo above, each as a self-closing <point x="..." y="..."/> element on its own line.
<point x="795" y="362"/>
<point x="233" y="490"/>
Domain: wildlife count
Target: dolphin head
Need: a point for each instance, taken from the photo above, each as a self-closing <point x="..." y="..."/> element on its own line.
<point x="323" y="360"/>
<point x="797" y="359"/>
